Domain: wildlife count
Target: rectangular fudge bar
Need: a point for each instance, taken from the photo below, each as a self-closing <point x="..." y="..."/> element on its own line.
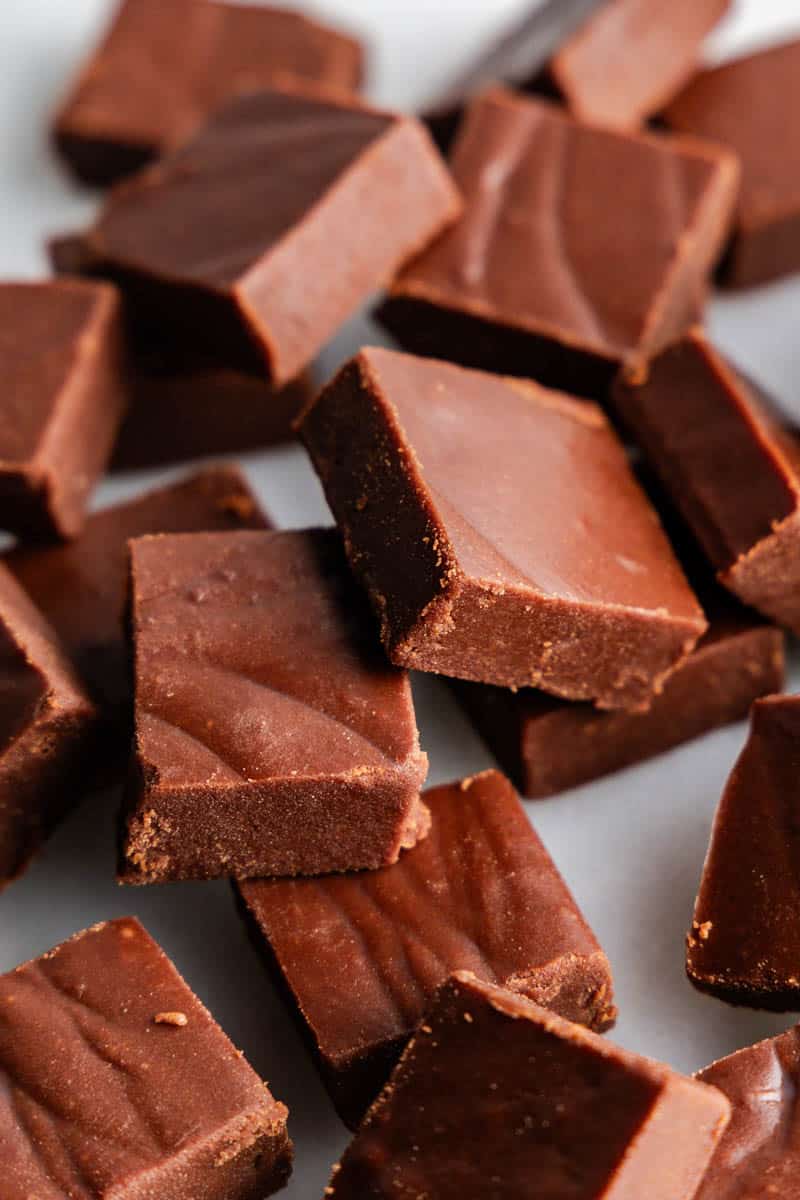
<point x="499" y="531"/>
<point x="116" y="1082"/>
<point x="272" y="736"/>
<point x="361" y="955"/>
<point x="497" y="1097"/>
<point x="161" y="69"/>
<point x="63" y="399"/>
<point x="48" y="728"/>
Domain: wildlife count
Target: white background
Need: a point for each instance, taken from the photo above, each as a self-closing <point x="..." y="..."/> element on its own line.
<point x="630" y="846"/>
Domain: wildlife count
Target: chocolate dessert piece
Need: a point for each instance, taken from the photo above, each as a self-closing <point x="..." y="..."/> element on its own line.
<point x="47" y="729"/>
<point x="361" y="955"/>
<point x="744" y="944"/>
<point x="116" y="1081"/>
<point x="160" y="71"/>
<point x="499" y="531"/>
<point x="752" y="106"/>
<point x="263" y="234"/>
<point x="81" y="587"/>
<point x="759" y="1155"/>
<point x="495" y="1097"/>
<point x="272" y="736"/>
<point x="729" y="466"/>
<point x="579" y="249"/>
<point x="63" y="399"/>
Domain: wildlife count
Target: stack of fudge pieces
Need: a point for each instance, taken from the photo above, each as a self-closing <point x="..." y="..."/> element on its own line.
<point x="557" y="494"/>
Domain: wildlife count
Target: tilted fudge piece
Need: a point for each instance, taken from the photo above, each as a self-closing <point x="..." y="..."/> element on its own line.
<point x="499" y="531"/>
<point x="361" y="955"/>
<point x="579" y="249"/>
<point x="272" y="736"/>
<point x="494" y="1097"/>
<point x="160" y="70"/>
<point x="744" y="944"/>
<point x="47" y="728"/>
<point x="63" y="399"/>
<point x="116" y="1082"/>
<point x="266" y="231"/>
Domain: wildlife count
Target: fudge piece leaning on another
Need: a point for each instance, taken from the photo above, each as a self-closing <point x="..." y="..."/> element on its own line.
<point x="116" y="1082"/>
<point x="494" y="1097"/>
<point x="272" y="735"/>
<point x="359" y="956"/>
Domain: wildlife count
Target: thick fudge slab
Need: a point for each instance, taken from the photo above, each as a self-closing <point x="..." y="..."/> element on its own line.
<point x="116" y="1081"/>
<point x="272" y="736"/>
<point x="579" y="249"/>
<point x="362" y="955"/>
<point x="728" y="465"/>
<point x="744" y="943"/>
<point x="263" y="234"/>
<point x="47" y="729"/>
<point x="759" y="1155"/>
<point x="752" y="106"/>
<point x="81" y="587"/>
<point x="63" y="399"/>
<point x="160" y="70"/>
<point x="497" y="1097"/>
<point x="499" y="531"/>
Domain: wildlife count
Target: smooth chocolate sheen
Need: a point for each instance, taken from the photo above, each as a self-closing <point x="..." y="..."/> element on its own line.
<point x="360" y="956"/>
<point x="496" y="1097"/>
<point x="116" y="1082"/>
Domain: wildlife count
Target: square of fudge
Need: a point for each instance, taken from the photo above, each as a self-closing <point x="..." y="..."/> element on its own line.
<point x="268" y="229"/>
<point x="360" y="956"/>
<point x="116" y="1082"/>
<point x="272" y="735"/>
<point x="63" y="400"/>
<point x="579" y="248"/>
<point x="495" y="1097"/>
<point x="47" y="730"/>
<point x="499" y="531"/>
<point x="161" y="69"/>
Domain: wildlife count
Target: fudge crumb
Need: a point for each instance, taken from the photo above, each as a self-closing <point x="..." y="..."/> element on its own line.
<point x="178" y="1019"/>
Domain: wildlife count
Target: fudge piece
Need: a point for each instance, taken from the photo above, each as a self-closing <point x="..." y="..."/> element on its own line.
<point x="744" y="944"/>
<point x="263" y="234"/>
<point x="497" y="1097"/>
<point x="272" y="736"/>
<point x="759" y="1155"/>
<point x="63" y="399"/>
<point x="752" y="106"/>
<point x="116" y="1081"/>
<point x="499" y="531"/>
<point x="81" y="587"/>
<point x="47" y="728"/>
<point x="579" y="249"/>
<point x="160" y="70"/>
<point x="361" y="955"/>
<point x="728" y="464"/>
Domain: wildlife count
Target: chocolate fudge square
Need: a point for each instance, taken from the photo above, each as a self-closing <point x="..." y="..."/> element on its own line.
<point x="63" y="400"/>
<point x="161" y="69"/>
<point x="361" y="955"/>
<point x="580" y="249"/>
<point x="115" y="1082"/>
<point x="495" y="1097"/>
<point x="272" y="735"/>
<point x="499" y="531"/>
<point x="267" y="230"/>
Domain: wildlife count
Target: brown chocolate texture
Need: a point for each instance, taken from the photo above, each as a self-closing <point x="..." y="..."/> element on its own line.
<point x="496" y="1097"/>
<point x="272" y="736"/>
<point x="162" y="69"/>
<point x="361" y="955"/>
<point x="579" y="249"/>
<point x="99" y="1099"/>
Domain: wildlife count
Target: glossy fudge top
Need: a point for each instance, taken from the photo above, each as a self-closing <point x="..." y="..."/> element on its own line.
<point x="257" y="658"/>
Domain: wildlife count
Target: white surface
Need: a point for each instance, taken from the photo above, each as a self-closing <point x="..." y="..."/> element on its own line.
<point x="630" y="846"/>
